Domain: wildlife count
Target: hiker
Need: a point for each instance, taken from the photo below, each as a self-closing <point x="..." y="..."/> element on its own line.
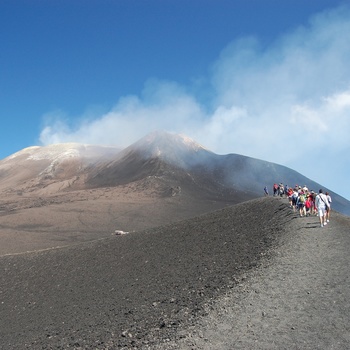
<point x="321" y="205"/>
<point x="290" y="193"/>
<point x="301" y="204"/>
<point x="266" y="191"/>
<point x="313" y="198"/>
<point x="275" y="189"/>
<point x="294" y="199"/>
<point x="309" y="205"/>
<point x="328" y="209"/>
<point x="281" y="189"/>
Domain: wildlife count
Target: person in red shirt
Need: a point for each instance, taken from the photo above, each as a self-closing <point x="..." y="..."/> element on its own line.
<point x="309" y="205"/>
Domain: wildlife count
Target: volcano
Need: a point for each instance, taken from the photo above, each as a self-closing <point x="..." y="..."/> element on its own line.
<point x="161" y="163"/>
<point x="198" y="229"/>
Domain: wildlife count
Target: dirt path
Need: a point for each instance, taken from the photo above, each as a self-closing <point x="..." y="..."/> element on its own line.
<point x="301" y="300"/>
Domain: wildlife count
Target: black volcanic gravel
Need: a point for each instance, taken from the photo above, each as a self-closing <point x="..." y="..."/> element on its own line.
<point x="136" y="290"/>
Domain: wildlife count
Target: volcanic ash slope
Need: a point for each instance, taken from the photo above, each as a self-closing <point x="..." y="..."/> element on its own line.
<point x="134" y="290"/>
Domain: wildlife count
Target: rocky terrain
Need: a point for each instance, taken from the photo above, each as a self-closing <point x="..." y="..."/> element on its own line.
<point x="253" y="275"/>
<point x="164" y="245"/>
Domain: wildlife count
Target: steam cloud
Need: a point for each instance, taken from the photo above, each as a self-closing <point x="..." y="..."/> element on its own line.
<point x="288" y="103"/>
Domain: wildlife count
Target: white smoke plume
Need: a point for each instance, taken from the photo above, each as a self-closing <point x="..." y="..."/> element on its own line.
<point x="287" y="103"/>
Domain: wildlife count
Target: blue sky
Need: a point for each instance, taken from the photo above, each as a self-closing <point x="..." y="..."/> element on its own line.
<point x="268" y="79"/>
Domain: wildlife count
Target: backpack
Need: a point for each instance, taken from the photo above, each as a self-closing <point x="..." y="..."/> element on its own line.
<point x="302" y="198"/>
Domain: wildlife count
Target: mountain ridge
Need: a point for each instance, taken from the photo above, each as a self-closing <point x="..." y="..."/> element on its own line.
<point x="172" y="160"/>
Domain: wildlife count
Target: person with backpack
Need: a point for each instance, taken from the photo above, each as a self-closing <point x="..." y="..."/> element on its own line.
<point x="301" y="204"/>
<point x="322" y="203"/>
<point x="295" y="197"/>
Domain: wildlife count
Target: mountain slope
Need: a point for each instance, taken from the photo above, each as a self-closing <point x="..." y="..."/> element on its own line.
<point x="165" y="161"/>
<point x="61" y="164"/>
<point x="150" y="287"/>
<point x="160" y="161"/>
<point x="150" y="281"/>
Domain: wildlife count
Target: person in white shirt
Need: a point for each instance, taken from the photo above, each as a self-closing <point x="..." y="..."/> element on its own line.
<point x="328" y="211"/>
<point x="321" y="203"/>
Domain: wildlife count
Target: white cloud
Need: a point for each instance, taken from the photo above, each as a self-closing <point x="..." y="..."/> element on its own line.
<point x="339" y="102"/>
<point x="294" y="93"/>
<point x="163" y="105"/>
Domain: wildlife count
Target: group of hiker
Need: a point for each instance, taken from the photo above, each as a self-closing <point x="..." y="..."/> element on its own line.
<point x="305" y="202"/>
